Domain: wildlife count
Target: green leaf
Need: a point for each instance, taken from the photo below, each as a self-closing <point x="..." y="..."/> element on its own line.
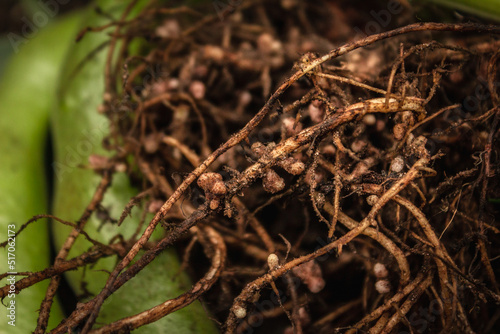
<point x="27" y="95"/>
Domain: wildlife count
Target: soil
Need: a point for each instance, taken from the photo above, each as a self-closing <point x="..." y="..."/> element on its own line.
<point x="351" y="181"/>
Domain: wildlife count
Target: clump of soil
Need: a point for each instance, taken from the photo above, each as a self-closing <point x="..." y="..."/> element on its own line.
<point x="354" y="187"/>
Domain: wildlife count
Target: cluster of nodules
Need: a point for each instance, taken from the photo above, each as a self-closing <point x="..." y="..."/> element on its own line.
<point x="382" y="285"/>
<point x="214" y="187"/>
<point x="271" y="181"/>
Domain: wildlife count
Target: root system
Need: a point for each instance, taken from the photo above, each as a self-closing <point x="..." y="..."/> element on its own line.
<point x="309" y="188"/>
